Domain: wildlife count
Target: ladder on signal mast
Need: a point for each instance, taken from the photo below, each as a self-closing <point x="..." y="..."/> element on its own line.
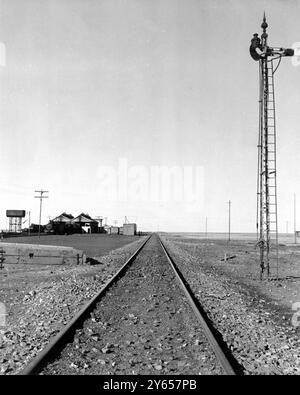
<point x="267" y="173"/>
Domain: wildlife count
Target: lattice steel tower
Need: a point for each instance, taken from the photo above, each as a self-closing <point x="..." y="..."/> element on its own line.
<point x="266" y="219"/>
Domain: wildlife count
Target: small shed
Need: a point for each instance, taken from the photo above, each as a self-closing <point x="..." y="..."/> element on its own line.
<point x="114" y="230"/>
<point x="129" y="229"/>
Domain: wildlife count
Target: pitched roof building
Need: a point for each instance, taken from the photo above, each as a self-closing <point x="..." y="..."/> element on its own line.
<point x="64" y="217"/>
<point x="84" y="218"/>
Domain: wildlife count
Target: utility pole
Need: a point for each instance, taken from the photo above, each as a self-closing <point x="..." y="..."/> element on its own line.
<point x="28" y="223"/>
<point x="229" y="205"/>
<point x="295" y="238"/>
<point x="41" y="197"/>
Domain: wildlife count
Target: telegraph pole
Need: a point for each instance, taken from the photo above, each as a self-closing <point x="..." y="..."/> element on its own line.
<point x="29" y="223"/>
<point x="41" y="197"/>
<point x="229" y="205"/>
<point x="295" y="238"/>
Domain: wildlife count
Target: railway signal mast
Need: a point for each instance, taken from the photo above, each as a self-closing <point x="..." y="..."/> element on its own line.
<point x="266" y="223"/>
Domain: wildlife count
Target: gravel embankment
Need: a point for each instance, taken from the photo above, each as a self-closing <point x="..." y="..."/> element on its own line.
<point x="258" y="342"/>
<point x="143" y="325"/>
<point x="37" y="310"/>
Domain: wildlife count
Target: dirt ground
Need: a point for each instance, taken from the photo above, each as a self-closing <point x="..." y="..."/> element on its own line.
<point x="255" y="318"/>
<point x="91" y="244"/>
<point x="16" y="279"/>
<point x="20" y="278"/>
<point x="40" y="299"/>
<point x="242" y="265"/>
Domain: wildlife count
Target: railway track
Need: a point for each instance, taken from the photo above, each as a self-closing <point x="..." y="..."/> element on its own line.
<point x="144" y="320"/>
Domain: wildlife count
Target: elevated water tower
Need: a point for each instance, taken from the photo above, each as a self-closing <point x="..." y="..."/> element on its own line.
<point x="15" y="220"/>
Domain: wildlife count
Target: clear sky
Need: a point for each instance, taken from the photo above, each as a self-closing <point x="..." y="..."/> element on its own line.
<point x="91" y="85"/>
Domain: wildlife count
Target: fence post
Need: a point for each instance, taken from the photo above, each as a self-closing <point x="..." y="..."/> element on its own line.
<point x="2" y="258"/>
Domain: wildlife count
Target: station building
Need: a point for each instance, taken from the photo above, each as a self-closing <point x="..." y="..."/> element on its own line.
<point x="66" y="223"/>
<point x="61" y="224"/>
<point x="86" y="223"/>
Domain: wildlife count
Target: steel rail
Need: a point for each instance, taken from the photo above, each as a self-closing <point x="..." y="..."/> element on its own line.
<point x="67" y="333"/>
<point x="224" y="361"/>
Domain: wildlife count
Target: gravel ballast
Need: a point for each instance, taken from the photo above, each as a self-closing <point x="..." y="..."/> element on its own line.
<point x="143" y="325"/>
<point x="260" y="342"/>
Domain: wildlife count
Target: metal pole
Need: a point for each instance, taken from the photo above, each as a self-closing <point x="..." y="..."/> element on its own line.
<point x="265" y="199"/>
<point x="229" y="204"/>
<point x="261" y="166"/>
<point x="259" y="161"/>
